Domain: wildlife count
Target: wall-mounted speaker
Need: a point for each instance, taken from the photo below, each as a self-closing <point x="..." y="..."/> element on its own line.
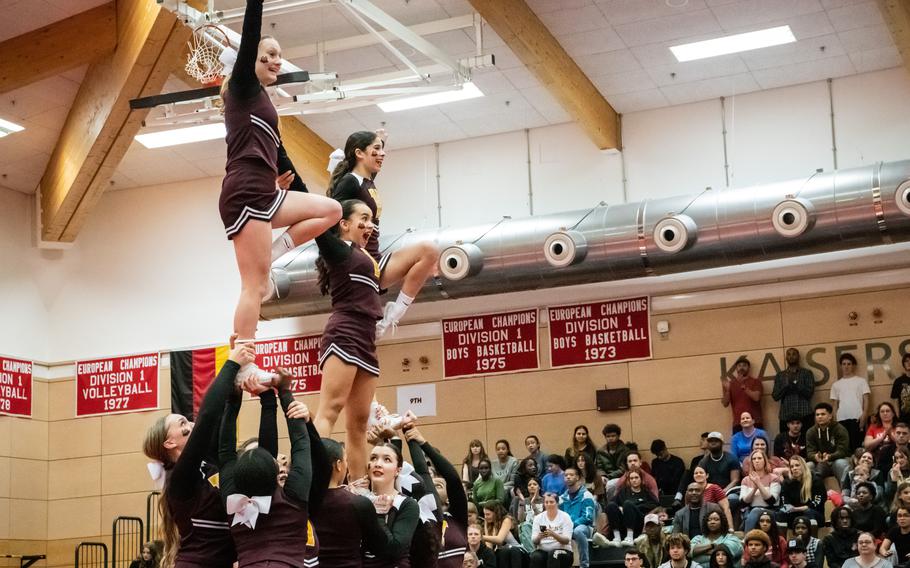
<point x="613" y="399"/>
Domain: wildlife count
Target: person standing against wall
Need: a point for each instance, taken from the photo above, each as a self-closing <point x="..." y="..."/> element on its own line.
<point x="850" y="395"/>
<point x="742" y="393"/>
<point x="793" y="388"/>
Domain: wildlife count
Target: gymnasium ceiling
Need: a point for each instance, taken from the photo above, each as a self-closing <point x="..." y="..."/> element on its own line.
<point x="621" y="45"/>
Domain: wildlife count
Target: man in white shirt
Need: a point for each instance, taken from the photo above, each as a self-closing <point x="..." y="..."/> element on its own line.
<point x="850" y="395"/>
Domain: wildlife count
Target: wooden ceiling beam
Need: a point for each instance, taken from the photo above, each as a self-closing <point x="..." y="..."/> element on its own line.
<point x="308" y="151"/>
<point x="100" y="126"/>
<point x="530" y="40"/>
<point x="58" y="47"/>
<point x="897" y="16"/>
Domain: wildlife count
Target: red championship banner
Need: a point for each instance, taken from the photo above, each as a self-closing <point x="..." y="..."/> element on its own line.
<point x="15" y="387"/>
<point x="119" y="384"/>
<point x="600" y="332"/>
<point x="299" y="355"/>
<point x="490" y="344"/>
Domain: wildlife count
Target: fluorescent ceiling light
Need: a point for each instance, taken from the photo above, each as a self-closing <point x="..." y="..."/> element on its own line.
<point x="177" y="136"/>
<point x="733" y="43"/>
<point x="7" y="127"/>
<point x="467" y="91"/>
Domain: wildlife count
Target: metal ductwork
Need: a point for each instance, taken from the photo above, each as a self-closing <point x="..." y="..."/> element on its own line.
<point x="828" y="212"/>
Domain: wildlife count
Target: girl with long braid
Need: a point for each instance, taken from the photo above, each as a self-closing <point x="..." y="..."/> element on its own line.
<point x="195" y="524"/>
<point x="250" y="205"/>
<point x="352" y="178"/>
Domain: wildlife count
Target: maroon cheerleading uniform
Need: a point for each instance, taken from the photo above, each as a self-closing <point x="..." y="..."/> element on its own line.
<point x="347" y="526"/>
<point x="248" y="190"/>
<point x="455" y="521"/>
<point x="350" y="333"/>
<point x="454" y="543"/>
<point x="402" y="520"/>
<point x="194" y="504"/>
<point x="351" y="186"/>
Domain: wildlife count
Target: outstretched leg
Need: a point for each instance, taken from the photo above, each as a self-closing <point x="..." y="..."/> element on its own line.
<point x="307" y="216"/>
<point x="411" y="266"/>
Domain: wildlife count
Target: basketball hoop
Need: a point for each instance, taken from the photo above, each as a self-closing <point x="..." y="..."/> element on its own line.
<point x="203" y="63"/>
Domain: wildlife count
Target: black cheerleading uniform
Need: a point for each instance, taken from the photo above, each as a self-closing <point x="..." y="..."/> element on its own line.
<point x="279" y="538"/>
<point x="248" y="189"/>
<point x="194" y="504"/>
<point x="351" y="186"/>
<point x="455" y="521"/>
<point x="350" y="333"/>
<point x="425" y="545"/>
<point x="402" y="520"/>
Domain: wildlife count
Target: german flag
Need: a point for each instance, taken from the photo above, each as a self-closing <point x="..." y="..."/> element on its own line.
<point x="191" y="374"/>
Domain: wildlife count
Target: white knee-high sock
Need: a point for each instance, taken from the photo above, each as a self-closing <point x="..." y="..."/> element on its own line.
<point x="401" y="305"/>
<point x="282" y="244"/>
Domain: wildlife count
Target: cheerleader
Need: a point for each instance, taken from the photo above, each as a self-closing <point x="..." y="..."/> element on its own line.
<point x="193" y="518"/>
<point x="350" y="368"/>
<point x="353" y="178"/>
<point x="401" y="514"/>
<point x="250" y="204"/>
<point x="267" y="520"/>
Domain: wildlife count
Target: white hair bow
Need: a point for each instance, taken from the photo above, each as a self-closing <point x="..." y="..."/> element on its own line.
<point x="227" y="57"/>
<point x="427" y="505"/>
<point x="247" y="509"/>
<point x="335" y="158"/>
<point x="407" y="479"/>
<point x="156" y="470"/>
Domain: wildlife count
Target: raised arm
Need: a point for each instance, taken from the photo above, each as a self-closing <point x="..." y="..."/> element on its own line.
<point x="268" y="422"/>
<point x="332" y="248"/>
<point x="322" y="468"/>
<point x="227" y="446"/>
<point x="300" y="476"/>
<point x="243" y="82"/>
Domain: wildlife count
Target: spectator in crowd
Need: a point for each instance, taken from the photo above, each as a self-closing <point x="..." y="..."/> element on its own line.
<point x="497" y="534"/>
<point x="689" y="519"/>
<point x="867" y="516"/>
<point x="900" y="393"/>
<point x="552" y="536"/>
<point x="713" y="493"/>
<point x="687" y="477"/>
<point x="721" y="558"/>
<point x="778" y="465"/>
<point x="611" y="457"/>
<point x="667" y="469"/>
<point x="802" y="494"/>
<point x="532" y="444"/>
<point x="900" y="434"/>
<point x="484" y="555"/>
<point x="149" y="557"/>
<point x="722" y="467"/>
<point x="741" y="442"/>
<point x="678" y="548"/>
<point x="756" y="546"/>
<point x="627" y="510"/>
<point x="793" y="388"/>
<point x="866" y="557"/>
<point x="901" y="499"/>
<point x="850" y="394"/>
<point x="633" y="558"/>
<point x="859" y="474"/>
<point x="792" y="440"/>
<point x="524" y="509"/>
<point x="802" y="531"/>
<point x="777" y="552"/>
<point x="634" y="463"/>
<point x="504" y="466"/>
<point x="486" y="487"/>
<point x="470" y="560"/>
<point x="594" y="481"/>
<point x="581" y="443"/>
<point x="896" y="544"/>
<point x="653" y="542"/>
<point x="796" y="555"/>
<point x="579" y="504"/>
<point x="554" y="481"/>
<point x="760" y="489"/>
<point x="861" y="468"/>
<point x="880" y="433"/>
<point x="471" y="462"/>
<point x="828" y="444"/>
<point x="527" y="470"/>
<point x="473" y="517"/>
<point x="715" y="532"/>
<point x="840" y="544"/>
<point x="899" y="472"/>
<point x="742" y="393"/>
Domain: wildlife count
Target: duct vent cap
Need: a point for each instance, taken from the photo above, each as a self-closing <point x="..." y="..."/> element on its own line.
<point x="675" y="233"/>
<point x="565" y="248"/>
<point x="460" y="261"/>
<point x="793" y="217"/>
<point x="902" y="197"/>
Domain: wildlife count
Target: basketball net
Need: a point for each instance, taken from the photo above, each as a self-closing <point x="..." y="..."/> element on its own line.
<point x="203" y="63"/>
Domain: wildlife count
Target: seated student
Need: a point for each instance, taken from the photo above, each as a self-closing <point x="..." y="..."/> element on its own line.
<point x="678" y="547"/>
<point x="792" y="441"/>
<point x="721" y="558"/>
<point x="802" y="531"/>
<point x="487" y="487"/>
<point x="484" y="554"/>
<point x="611" y="457"/>
<point x="802" y="494"/>
<point x="722" y="467"/>
<point x="667" y="469"/>
<point x="899" y="472"/>
<point x="867" y="516"/>
<point x="777" y="552"/>
<point x="527" y="470"/>
<point x="716" y="532"/>
<point x="741" y="442"/>
<point x="581" y="443"/>
<point x="524" y="509"/>
<point x="900" y="434"/>
<point x="901" y="498"/>
<point x="504" y="467"/>
<point x="653" y="542"/>
<point x="554" y="481"/>
<point x="593" y="480"/>
<point x="866" y="557"/>
<point x="689" y="519"/>
<point x="840" y="545"/>
<point x="497" y="534"/>
<point x="627" y="510"/>
<point x="796" y="555"/>
<point x="712" y="493"/>
<point x="896" y="544"/>
<point x="470" y="560"/>
<point x="879" y="434"/>
<point x="635" y="463"/>
<point x="756" y="546"/>
<point x="633" y="558"/>
<point x="827" y="444"/>
<point x="552" y="536"/>
<point x="778" y="464"/>
<point x="578" y="503"/>
<point x="760" y="489"/>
